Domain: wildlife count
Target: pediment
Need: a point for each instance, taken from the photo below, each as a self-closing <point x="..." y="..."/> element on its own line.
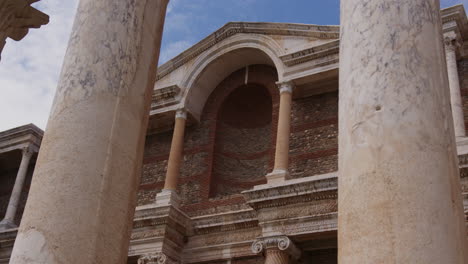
<point x="290" y="37"/>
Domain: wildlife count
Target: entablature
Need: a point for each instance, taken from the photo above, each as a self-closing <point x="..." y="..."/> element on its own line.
<point x="27" y="136"/>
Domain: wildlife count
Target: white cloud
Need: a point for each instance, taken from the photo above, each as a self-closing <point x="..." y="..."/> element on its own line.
<point x="29" y="69"/>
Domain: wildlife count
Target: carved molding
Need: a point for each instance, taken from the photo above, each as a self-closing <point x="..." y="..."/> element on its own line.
<point x="17" y="17"/>
<point x="157" y="258"/>
<point x="282" y="243"/>
<point x="293" y="191"/>
<point x="165" y="96"/>
<point x="323" y="54"/>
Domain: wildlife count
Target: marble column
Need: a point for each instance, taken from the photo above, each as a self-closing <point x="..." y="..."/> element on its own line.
<point x="83" y="195"/>
<point x="451" y="44"/>
<point x="9" y="219"/>
<point x="280" y="170"/>
<point x="399" y="192"/>
<point x="277" y="249"/>
<point x="175" y="155"/>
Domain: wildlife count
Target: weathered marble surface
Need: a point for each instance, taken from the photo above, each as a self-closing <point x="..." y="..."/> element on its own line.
<point x="82" y="197"/>
<point x="399" y="192"/>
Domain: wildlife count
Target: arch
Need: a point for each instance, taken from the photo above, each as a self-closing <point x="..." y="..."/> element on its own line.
<point x="210" y="68"/>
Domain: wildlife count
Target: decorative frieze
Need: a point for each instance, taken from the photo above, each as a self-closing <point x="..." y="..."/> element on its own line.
<point x="165" y="96"/>
<point x="157" y="258"/>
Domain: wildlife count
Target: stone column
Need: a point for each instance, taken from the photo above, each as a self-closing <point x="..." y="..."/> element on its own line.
<point x="451" y="44"/>
<point x="9" y="219"/>
<point x="177" y="147"/>
<point x="83" y="195"/>
<point x="277" y="249"/>
<point x="399" y="192"/>
<point x="280" y="171"/>
<point x="168" y="195"/>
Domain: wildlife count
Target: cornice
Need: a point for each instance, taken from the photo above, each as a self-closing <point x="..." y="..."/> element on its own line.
<point x="313" y="53"/>
<point x="165" y="96"/>
<point x="319" y="187"/>
<point x="233" y="28"/>
<point x="454" y="19"/>
<point x="225" y="221"/>
<point x="19" y="137"/>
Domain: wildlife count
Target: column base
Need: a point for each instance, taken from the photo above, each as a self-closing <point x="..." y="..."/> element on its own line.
<point x="7" y="224"/>
<point x="277" y="176"/>
<point x="167" y="197"/>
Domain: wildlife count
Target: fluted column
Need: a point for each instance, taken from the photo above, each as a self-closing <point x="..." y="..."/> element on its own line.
<point x="175" y="155"/>
<point x="399" y="192"/>
<point x="83" y="195"/>
<point x="277" y="249"/>
<point x="9" y="219"/>
<point x="281" y="166"/>
<point x="451" y="44"/>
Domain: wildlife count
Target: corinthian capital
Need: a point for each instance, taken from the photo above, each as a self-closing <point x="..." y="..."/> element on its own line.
<point x="282" y="243"/>
<point x="157" y="258"/>
<point x="285" y="87"/>
<point x="451" y="41"/>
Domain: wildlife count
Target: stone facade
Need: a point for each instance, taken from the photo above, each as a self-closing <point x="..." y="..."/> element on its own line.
<point x="225" y="209"/>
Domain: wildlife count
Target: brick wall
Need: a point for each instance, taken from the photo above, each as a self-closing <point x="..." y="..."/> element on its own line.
<point x="243" y="141"/>
<point x="230" y="151"/>
<point x="314" y="135"/>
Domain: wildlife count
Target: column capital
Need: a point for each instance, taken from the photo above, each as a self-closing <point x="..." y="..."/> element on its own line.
<point x="451" y="41"/>
<point x="281" y="242"/>
<point x="181" y="113"/>
<point x="155" y="258"/>
<point x="27" y="152"/>
<point x="285" y="87"/>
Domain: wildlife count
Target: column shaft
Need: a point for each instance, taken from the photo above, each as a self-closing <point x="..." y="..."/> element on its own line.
<point x="276" y="256"/>
<point x="454" y="84"/>
<point x="399" y="192"/>
<point x="9" y="219"/>
<point x="284" y="123"/>
<point x="175" y="156"/>
<point x="83" y="195"/>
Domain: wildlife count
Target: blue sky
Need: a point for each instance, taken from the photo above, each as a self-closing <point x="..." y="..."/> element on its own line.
<point x="29" y="69"/>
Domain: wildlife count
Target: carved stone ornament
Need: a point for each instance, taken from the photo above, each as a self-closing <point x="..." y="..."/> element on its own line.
<point x="285" y="87"/>
<point x="276" y="242"/>
<point x="451" y="41"/>
<point x="157" y="258"/>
